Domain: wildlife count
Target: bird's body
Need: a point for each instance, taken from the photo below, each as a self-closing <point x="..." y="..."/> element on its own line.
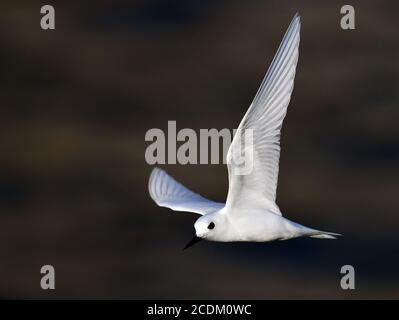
<point x="256" y="225"/>
<point x="250" y="212"/>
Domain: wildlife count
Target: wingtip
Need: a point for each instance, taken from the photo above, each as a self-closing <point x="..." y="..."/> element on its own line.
<point x="151" y="185"/>
<point x="295" y="22"/>
<point x="155" y="169"/>
<point x="154" y="172"/>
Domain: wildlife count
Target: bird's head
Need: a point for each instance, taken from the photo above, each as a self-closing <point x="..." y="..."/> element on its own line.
<point x="207" y="227"/>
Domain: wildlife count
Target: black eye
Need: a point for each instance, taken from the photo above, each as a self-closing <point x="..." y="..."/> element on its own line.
<point x="211" y="226"/>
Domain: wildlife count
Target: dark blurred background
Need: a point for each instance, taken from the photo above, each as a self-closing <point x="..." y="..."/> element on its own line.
<point x="75" y="106"/>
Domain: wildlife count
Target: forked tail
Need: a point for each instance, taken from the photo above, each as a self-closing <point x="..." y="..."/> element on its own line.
<point x="325" y="235"/>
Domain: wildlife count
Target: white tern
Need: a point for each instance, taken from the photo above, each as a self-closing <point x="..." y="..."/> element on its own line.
<point x="250" y="212"/>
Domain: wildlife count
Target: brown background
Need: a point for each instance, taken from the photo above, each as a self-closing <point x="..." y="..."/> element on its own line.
<point x="76" y="103"/>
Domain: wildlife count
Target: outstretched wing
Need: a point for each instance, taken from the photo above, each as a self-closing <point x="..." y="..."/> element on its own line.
<point x="167" y="192"/>
<point x="264" y="118"/>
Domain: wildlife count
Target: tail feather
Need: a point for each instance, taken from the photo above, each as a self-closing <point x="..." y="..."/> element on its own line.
<point x="325" y="235"/>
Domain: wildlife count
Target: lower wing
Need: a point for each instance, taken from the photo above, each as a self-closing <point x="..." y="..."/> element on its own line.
<point x="167" y="192"/>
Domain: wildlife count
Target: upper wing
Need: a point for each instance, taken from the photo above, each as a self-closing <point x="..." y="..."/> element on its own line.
<point x="265" y="118"/>
<point x="167" y="192"/>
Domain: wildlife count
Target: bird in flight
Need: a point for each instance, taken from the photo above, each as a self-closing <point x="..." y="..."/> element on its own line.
<point x="250" y="212"/>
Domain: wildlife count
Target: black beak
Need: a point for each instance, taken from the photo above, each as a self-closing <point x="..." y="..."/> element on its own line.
<point x="192" y="242"/>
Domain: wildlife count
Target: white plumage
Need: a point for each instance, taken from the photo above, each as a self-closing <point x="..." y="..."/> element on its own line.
<point x="250" y="212"/>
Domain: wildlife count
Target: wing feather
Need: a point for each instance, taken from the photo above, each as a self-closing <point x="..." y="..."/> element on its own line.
<point x="167" y="192"/>
<point x="265" y="118"/>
